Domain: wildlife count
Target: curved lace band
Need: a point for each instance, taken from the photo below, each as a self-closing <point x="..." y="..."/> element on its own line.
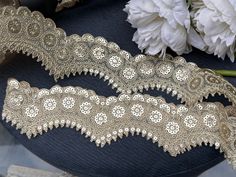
<point x="31" y="33"/>
<point x="176" y="128"/>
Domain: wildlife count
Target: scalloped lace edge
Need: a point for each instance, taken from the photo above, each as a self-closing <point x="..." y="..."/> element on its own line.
<point x="175" y="128"/>
<point x="31" y="33"/>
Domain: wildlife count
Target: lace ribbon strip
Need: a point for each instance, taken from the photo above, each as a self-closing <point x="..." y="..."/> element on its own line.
<point x="175" y="128"/>
<point x="31" y="33"/>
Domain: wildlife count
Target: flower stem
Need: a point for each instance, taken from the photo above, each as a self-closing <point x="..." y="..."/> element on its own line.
<point x="227" y="73"/>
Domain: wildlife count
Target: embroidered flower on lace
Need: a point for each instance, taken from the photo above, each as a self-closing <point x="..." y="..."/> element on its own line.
<point x="209" y="120"/>
<point x="147" y="68"/>
<point x="31" y="111"/>
<point x="172" y="128"/>
<point x="85" y="107"/>
<point x="15" y="100"/>
<point x="118" y="111"/>
<point x="129" y="73"/>
<point x="165" y="69"/>
<point x="190" y="121"/>
<point x="68" y="102"/>
<point x="115" y="61"/>
<point x="98" y="53"/>
<point x="137" y="110"/>
<point x="155" y="116"/>
<point x="50" y="104"/>
<point x="181" y="74"/>
<point x="100" y="118"/>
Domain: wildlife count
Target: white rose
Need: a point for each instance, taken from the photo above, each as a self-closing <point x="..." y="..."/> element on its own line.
<point x="160" y="24"/>
<point x="215" y="20"/>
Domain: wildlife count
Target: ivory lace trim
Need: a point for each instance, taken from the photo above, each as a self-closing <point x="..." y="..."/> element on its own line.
<point x="103" y="120"/>
<point x="31" y="33"/>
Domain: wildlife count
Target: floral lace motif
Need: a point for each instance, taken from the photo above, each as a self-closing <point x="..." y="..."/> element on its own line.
<point x="176" y="128"/>
<point x="30" y="32"/>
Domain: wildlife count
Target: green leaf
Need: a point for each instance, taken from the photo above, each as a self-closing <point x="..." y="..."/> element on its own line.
<point x="189" y="2"/>
<point x="227" y="73"/>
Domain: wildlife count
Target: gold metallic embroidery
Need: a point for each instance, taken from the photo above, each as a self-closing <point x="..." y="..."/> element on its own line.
<point x="175" y="128"/>
<point x="31" y="33"/>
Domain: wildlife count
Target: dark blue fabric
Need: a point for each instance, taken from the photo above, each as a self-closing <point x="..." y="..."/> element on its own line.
<point x="132" y="156"/>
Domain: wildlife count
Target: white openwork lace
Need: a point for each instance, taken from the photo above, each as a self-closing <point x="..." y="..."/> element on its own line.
<point x="31" y="33"/>
<point x="176" y="128"/>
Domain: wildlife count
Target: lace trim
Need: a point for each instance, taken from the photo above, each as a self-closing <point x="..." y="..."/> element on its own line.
<point x="30" y="32"/>
<point x="176" y="128"/>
